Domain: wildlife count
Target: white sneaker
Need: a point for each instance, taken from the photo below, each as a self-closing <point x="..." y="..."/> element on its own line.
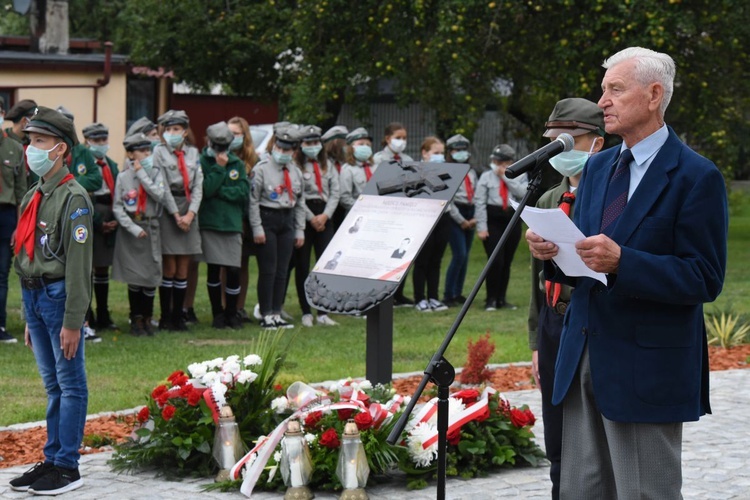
<point x="323" y="319"/>
<point x="436" y="305"/>
<point x="89" y="335"/>
<point x="280" y="322"/>
<point x="423" y="306"/>
<point x="256" y="313"/>
<point x="307" y="320"/>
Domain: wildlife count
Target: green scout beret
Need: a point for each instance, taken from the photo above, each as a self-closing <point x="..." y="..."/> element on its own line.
<point x="143" y="125"/>
<point x="24" y="108"/>
<point x="174" y="117"/>
<point x="136" y="141"/>
<point x="219" y="134"/>
<point x="575" y="116"/>
<point x="457" y="142"/>
<point x="357" y="133"/>
<point x="503" y="152"/>
<point x="48" y="121"/>
<point x="337" y="132"/>
<point x="96" y="131"/>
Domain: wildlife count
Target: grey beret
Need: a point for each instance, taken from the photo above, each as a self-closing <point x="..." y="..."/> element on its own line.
<point x="96" y="131"/>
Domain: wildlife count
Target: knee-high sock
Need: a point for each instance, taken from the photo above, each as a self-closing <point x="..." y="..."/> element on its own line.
<point x="148" y="295"/>
<point x="134" y="298"/>
<point x="179" y="289"/>
<point x="165" y="298"/>
<point x="101" y="293"/>
<point x="232" y="290"/>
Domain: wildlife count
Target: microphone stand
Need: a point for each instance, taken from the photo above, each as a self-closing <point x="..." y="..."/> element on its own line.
<point x="439" y="371"/>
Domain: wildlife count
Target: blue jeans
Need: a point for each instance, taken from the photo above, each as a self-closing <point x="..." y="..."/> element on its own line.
<point x="8" y="221"/>
<point x="64" y="380"/>
<point x="460" y="241"/>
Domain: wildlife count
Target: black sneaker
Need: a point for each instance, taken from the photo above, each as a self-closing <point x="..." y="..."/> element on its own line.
<point x="165" y="324"/>
<point x="22" y="482"/>
<point x="267" y="322"/>
<point x="6" y="338"/>
<point x="189" y="316"/>
<point x="508" y="305"/>
<point x="234" y="321"/>
<point x="402" y="301"/>
<point x="281" y="322"/>
<point x="490" y="305"/>
<point x="219" y="322"/>
<point x="58" y="480"/>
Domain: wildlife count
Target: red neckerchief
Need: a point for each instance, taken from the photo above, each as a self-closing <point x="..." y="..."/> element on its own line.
<point x="183" y="170"/>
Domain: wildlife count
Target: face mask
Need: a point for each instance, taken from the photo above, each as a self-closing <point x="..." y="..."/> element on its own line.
<point x="236" y="142"/>
<point x="173" y="140"/>
<point x="569" y="163"/>
<point x="154" y="144"/>
<point x="437" y="158"/>
<point x="397" y="145"/>
<point x="362" y="152"/>
<point x="461" y="156"/>
<point x="147" y="163"/>
<point x="312" y="151"/>
<point x="281" y="158"/>
<point x="39" y="161"/>
<point x="210" y="153"/>
<point x="99" y="151"/>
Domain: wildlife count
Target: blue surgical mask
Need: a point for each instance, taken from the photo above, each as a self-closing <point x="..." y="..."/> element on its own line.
<point x="362" y="152"/>
<point x="571" y="163"/>
<point x="147" y="163"/>
<point x="39" y="161"/>
<point x="173" y="140"/>
<point x="154" y="144"/>
<point x="236" y="142"/>
<point x="210" y="153"/>
<point x="312" y="151"/>
<point x="281" y="158"/>
<point x="437" y="158"/>
<point x="99" y="151"/>
<point x="461" y="156"/>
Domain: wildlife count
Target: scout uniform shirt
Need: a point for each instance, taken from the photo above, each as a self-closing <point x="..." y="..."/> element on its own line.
<point x="82" y="165"/>
<point x="63" y="243"/>
<point x="387" y="155"/>
<point x="105" y="189"/>
<point x="327" y="191"/>
<point x="13" y="173"/>
<point x="165" y="159"/>
<point x="352" y="180"/>
<point x="268" y="190"/>
<point x="488" y="194"/>
<point x="225" y="194"/>
<point x="125" y="198"/>
<point x="464" y="196"/>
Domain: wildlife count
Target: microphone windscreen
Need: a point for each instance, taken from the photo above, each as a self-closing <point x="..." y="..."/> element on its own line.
<point x="567" y="140"/>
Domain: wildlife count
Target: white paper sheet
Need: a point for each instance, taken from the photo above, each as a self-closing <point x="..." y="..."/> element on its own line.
<point x="553" y="225"/>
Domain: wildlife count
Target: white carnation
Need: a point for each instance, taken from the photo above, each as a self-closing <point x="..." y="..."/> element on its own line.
<point x="232" y="367"/>
<point x="197" y="370"/>
<point x="246" y="377"/>
<point x="280" y="404"/>
<point x="310" y="438"/>
<point x="252" y="360"/>
<point x="364" y="385"/>
<point x="232" y="359"/>
<point x="277" y="457"/>
<point x="209" y="378"/>
<point x="215" y="363"/>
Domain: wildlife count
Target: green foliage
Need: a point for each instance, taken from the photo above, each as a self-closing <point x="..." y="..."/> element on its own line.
<point x="98" y="440"/>
<point x="726" y="329"/>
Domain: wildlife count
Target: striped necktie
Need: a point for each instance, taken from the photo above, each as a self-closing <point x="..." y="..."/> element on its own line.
<point x="617" y="193"/>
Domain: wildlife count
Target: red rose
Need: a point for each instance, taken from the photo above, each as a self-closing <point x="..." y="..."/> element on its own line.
<point x="158" y="391"/>
<point x="345" y="414"/>
<point x="467" y="396"/>
<point x="363" y="420"/>
<point x="168" y="412"/>
<point x="454" y="436"/>
<point x="330" y="439"/>
<point x="143" y="415"/>
<point x="522" y="418"/>
<point x="312" y="419"/>
<point x="484" y="415"/>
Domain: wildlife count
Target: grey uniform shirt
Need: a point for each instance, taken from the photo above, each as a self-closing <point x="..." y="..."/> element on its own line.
<point x="488" y="193"/>
<point x="387" y="155"/>
<point x="125" y="202"/>
<point x="462" y="197"/>
<point x="352" y="180"/>
<point x="330" y="188"/>
<point x="165" y="159"/>
<point x="268" y="190"/>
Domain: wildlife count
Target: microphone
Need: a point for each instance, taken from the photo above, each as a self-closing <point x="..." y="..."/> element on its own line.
<point x="564" y="142"/>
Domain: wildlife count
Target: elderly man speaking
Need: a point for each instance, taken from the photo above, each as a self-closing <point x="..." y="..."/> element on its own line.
<point x="633" y="360"/>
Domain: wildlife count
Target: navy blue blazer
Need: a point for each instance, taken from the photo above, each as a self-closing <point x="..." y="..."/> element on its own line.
<point x="645" y="330"/>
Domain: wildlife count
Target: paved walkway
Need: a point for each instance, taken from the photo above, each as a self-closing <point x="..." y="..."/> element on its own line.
<point x="716" y="463"/>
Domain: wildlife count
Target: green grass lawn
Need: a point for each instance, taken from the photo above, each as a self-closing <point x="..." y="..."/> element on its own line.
<point x="122" y="369"/>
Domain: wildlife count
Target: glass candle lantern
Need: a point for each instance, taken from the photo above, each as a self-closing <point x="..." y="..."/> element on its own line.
<point x="352" y="469"/>
<point x="228" y="446"/>
<point x="295" y="464"/>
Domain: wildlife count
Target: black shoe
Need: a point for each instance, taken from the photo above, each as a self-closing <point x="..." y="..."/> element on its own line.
<point x="189" y="316"/>
<point x="402" y="301"/>
<point x="136" y="326"/>
<point x="219" y="322"/>
<point x="179" y="325"/>
<point x="25" y="480"/>
<point x="490" y="305"/>
<point x="148" y="328"/>
<point x="58" y="480"/>
<point x="165" y="324"/>
<point x="104" y="322"/>
<point x="508" y="305"/>
<point x="234" y="321"/>
<point x="6" y="338"/>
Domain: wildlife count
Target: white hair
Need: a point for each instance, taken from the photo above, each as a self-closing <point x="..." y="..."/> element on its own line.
<point x="651" y="67"/>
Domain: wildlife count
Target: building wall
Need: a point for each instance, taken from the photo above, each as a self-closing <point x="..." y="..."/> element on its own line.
<point x="111" y="99"/>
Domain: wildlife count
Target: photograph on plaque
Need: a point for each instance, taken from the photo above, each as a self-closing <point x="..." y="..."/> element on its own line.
<point x="380" y="237"/>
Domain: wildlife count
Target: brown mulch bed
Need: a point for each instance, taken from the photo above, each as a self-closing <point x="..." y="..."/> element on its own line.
<point x="24" y="447"/>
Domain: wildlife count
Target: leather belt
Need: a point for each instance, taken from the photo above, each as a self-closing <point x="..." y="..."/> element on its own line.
<point x="561" y="307"/>
<point x="38" y="283"/>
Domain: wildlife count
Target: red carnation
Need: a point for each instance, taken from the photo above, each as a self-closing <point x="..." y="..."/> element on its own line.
<point x="175" y="375"/>
<point x="168" y="412"/>
<point x="158" y="391"/>
<point x="312" y="419"/>
<point x="143" y="415"/>
<point x="194" y="398"/>
<point x="185" y="390"/>
<point x="162" y="398"/>
<point x="454" y="436"/>
<point x="330" y="439"/>
<point x="522" y="418"/>
<point x="363" y="420"/>
<point x="467" y="396"/>
<point x="345" y="414"/>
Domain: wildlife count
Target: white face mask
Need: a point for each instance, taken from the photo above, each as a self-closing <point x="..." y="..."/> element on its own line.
<point x="397" y="145"/>
<point x="571" y="163"/>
